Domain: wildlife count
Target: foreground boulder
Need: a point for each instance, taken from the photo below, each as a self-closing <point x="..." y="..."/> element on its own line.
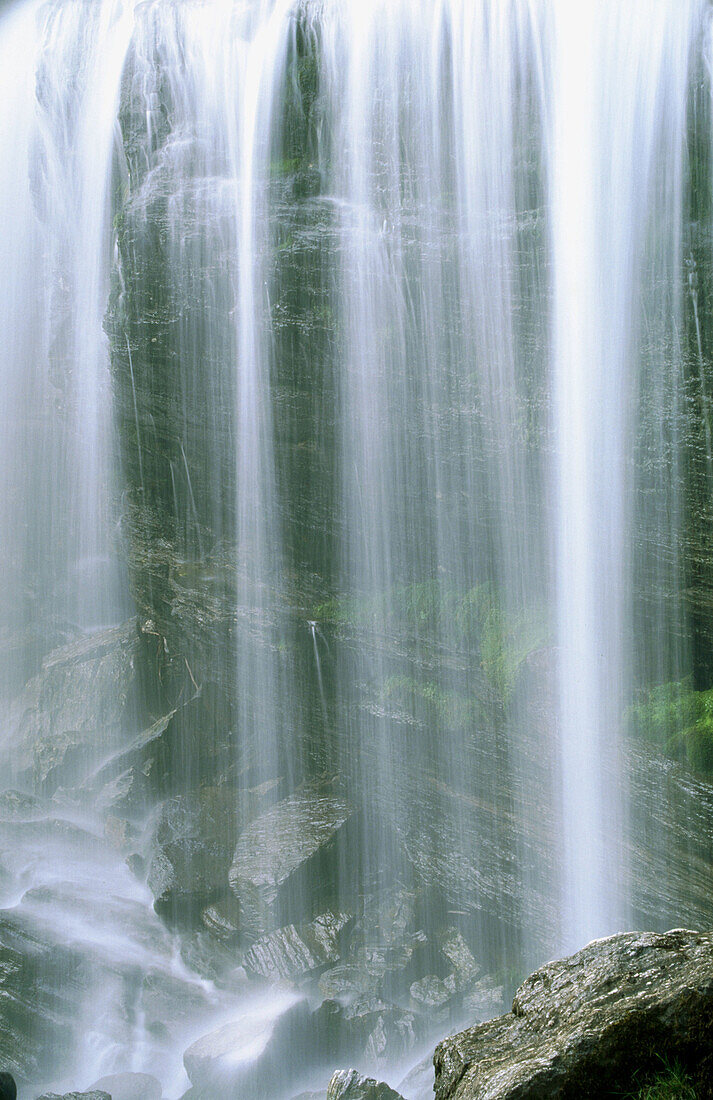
<point x="582" y="1026"/>
<point x="347" y="1084"/>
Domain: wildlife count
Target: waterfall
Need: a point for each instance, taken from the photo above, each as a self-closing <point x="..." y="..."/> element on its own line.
<point x="355" y="355"/>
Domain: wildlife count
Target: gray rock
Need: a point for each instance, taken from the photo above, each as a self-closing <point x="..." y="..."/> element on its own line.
<point x="191" y="849"/>
<point x="287" y="855"/>
<point x="265" y="1051"/>
<point x="347" y="981"/>
<point x="347" y="1084"/>
<point x="379" y="1031"/>
<point x="130" y="1086"/>
<point x="587" y="1023"/>
<point x="94" y="1095"/>
<point x="484" y="1000"/>
<point x="431" y="992"/>
<point x="460" y="957"/>
<point x="78" y="707"/>
<point x="292" y="952"/>
<point x="223" y="919"/>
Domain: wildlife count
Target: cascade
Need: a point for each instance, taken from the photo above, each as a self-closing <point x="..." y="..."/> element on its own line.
<point x="354" y="489"/>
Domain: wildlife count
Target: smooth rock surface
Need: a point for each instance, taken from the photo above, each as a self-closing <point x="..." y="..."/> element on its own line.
<point x="347" y="1084"/>
<point x="581" y="1026"/>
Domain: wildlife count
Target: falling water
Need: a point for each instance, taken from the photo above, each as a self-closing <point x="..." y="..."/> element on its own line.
<point x="369" y="314"/>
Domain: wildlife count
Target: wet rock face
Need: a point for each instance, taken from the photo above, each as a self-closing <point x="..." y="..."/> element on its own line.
<point x="79" y="704"/>
<point x="191" y="851"/>
<point x="347" y="1084"/>
<point x="581" y="1026"/>
<point x="286" y="855"/>
<point x="294" y="953"/>
<point x="76" y="1096"/>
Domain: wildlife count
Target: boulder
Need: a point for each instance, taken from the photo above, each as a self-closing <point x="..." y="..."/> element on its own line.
<point x="94" y="1095"/>
<point x="191" y="849"/>
<point x="288" y="858"/>
<point x="431" y="993"/>
<point x="347" y="1084"/>
<point x="583" y="1026"/>
<point x="78" y="707"/>
<point x="223" y="919"/>
<point x="253" y="1056"/>
<point x="376" y="1030"/>
<point x="278" y="1044"/>
<point x="459" y="956"/>
<point x="293" y="953"/>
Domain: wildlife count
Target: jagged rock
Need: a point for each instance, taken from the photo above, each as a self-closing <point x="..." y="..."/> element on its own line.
<point x="346" y="982"/>
<point x="78" y="706"/>
<point x="379" y="1031"/>
<point x="484" y="1000"/>
<point x="153" y="763"/>
<point x="347" y="1084"/>
<point x="456" y="951"/>
<point x="286" y="856"/>
<point x="94" y="1095"/>
<point x="292" y="952"/>
<point x="32" y="1018"/>
<point x="582" y="1026"/>
<point x="20" y="806"/>
<point x="223" y="919"/>
<point x="192" y="846"/>
<point x="392" y="965"/>
<point x="130" y="1086"/>
<point x="431" y="992"/>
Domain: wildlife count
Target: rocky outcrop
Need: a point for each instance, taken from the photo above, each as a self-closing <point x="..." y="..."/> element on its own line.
<point x="191" y="849"/>
<point x="296" y="952"/>
<point x="95" y="1095"/>
<point x="287" y="858"/>
<point x="347" y="1084"/>
<point x="582" y="1026"/>
<point x="77" y="707"/>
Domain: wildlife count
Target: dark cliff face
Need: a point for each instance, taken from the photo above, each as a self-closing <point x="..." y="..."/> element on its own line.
<point x="174" y="347"/>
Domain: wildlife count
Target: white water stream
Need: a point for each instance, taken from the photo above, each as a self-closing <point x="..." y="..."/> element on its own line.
<point x="501" y="194"/>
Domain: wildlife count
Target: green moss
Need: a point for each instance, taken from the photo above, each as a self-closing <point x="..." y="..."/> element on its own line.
<point x="474" y="623"/>
<point x="449" y="708"/>
<point x="679" y="720"/>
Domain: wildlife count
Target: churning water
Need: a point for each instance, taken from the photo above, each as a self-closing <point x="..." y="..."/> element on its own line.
<point x="393" y="296"/>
